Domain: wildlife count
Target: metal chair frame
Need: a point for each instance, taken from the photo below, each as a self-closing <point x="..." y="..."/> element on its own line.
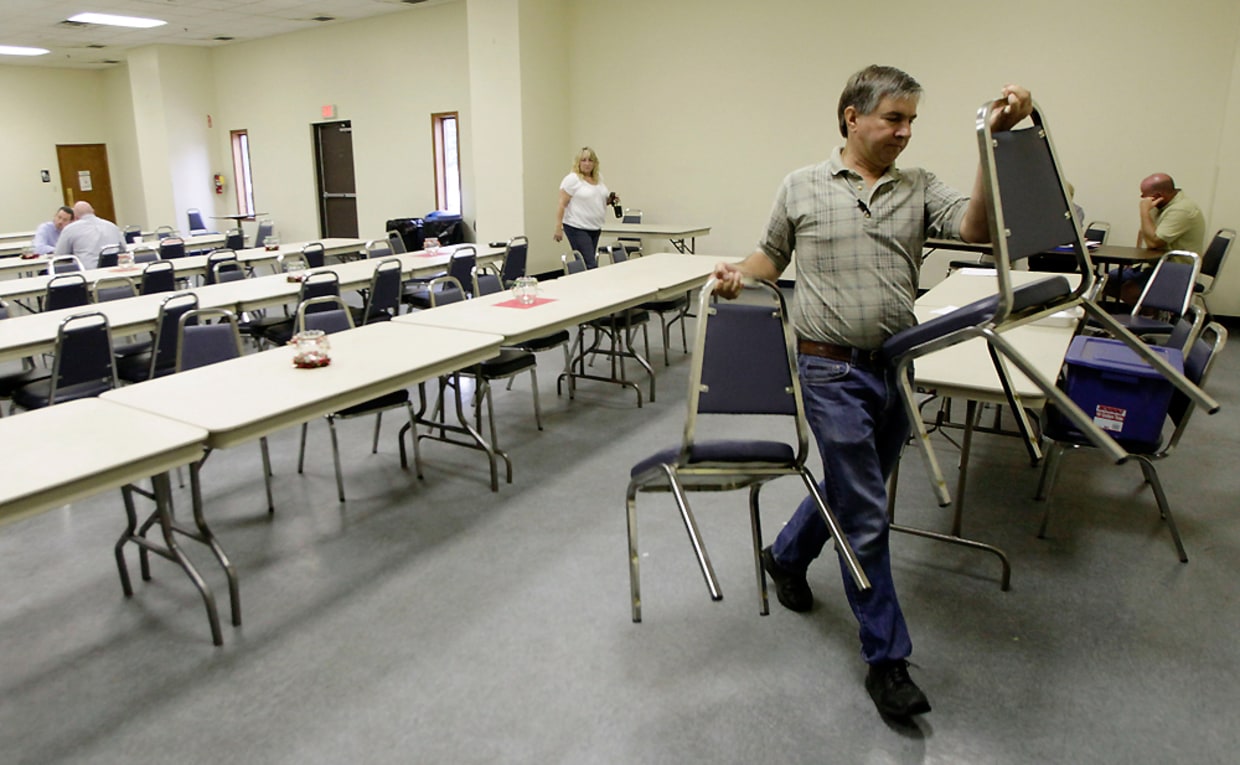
<point x="759" y="379"/>
<point x="1202" y="355"/>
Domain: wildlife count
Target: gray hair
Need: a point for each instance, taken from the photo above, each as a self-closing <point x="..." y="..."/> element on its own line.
<point x="865" y="89"/>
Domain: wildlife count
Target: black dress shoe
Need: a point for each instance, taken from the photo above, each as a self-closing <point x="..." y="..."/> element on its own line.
<point x="894" y="692"/>
<point x="791" y="588"/>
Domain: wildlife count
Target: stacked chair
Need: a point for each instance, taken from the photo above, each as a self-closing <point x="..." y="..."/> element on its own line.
<point x="1030" y="212"/>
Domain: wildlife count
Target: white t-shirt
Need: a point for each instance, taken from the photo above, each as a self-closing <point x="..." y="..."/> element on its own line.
<point x="587" y="203"/>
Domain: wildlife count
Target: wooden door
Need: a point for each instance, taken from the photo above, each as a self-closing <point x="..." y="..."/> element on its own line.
<point x="84" y="176"/>
<point x="337" y="187"/>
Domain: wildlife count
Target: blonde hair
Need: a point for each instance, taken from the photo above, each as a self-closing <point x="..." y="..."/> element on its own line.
<point x="594" y="176"/>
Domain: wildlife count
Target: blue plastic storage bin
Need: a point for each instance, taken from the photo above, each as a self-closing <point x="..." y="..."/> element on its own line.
<point x="1123" y="394"/>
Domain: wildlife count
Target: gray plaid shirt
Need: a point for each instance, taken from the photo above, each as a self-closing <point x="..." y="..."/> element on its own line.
<point x="858" y="253"/>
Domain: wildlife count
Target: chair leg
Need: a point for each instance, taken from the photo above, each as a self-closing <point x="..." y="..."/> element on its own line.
<point x="374" y="447"/>
<point x="331" y="425"/>
<point x="412" y="428"/>
<point x="1164" y="507"/>
<point x="301" y="452"/>
<point x="635" y="597"/>
<point x="266" y="452"/>
<point x="537" y="407"/>
<point x="1050" y="471"/>
<point x="755" y="527"/>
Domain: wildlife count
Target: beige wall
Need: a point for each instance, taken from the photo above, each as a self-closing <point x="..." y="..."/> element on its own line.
<point x="387" y="75"/>
<point x="697" y="107"/>
<point x="1224" y="212"/>
<point x="47" y="107"/>
<point x="698" y="111"/>
<point x="544" y="113"/>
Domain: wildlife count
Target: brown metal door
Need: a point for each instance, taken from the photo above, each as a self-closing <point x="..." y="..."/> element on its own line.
<point x="333" y="142"/>
<point x="84" y="176"/>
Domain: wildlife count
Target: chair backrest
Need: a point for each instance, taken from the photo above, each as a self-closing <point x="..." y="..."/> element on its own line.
<point x="158" y="276"/>
<point x="196" y="225"/>
<point x="444" y="290"/>
<point x="66" y="291"/>
<point x="167" y="331"/>
<point x="328" y="313"/>
<point x="1170" y="287"/>
<point x="1030" y="211"/>
<point x="64" y="264"/>
<point x="83" y="352"/>
<point x="1097" y="231"/>
<point x="516" y="254"/>
<point x="200" y="344"/>
<point x="631" y="215"/>
<point x="172" y="247"/>
<point x="109" y="256"/>
<point x="225" y="271"/>
<point x="385" y="289"/>
<point x="573" y="263"/>
<point x="396" y="242"/>
<point x="265" y="229"/>
<point x="319" y="284"/>
<point x="1216" y="253"/>
<point x="220" y="261"/>
<point x="131" y="234"/>
<point x="461" y="266"/>
<point x="145" y="255"/>
<point x="744" y="362"/>
<point x="112" y="288"/>
<point x="486" y="281"/>
<point x="314" y="255"/>
<point x="379" y="248"/>
<point x="1198" y="361"/>
<point x="234" y="239"/>
<point x="618" y="253"/>
<point x="164" y="232"/>
<point x="1185" y="329"/>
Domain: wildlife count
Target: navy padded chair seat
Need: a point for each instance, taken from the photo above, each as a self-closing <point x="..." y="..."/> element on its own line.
<point x="36" y="394"/>
<point x="1024" y="298"/>
<point x="508" y="362"/>
<point x="386" y="401"/>
<point x="726" y="451"/>
<point x="546" y="342"/>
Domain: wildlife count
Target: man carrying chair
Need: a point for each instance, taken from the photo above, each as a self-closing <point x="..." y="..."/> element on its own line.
<point x="857" y="224"/>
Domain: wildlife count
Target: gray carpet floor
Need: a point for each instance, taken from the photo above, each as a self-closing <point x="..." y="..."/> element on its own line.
<point x="435" y="621"/>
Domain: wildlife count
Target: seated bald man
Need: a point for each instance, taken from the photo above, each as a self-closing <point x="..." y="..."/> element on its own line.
<point x="87" y="235"/>
<point x="1169" y="220"/>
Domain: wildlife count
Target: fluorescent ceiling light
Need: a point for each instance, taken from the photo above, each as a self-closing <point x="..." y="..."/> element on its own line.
<point x="108" y="19"/>
<point x="17" y="50"/>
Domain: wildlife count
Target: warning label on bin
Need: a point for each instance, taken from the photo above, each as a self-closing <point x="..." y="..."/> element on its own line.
<point x="1109" y="417"/>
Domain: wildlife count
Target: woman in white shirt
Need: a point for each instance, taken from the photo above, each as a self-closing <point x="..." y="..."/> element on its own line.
<point x="583" y="204"/>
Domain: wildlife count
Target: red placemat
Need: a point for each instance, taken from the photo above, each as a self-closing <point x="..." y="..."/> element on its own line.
<point x="514" y="303"/>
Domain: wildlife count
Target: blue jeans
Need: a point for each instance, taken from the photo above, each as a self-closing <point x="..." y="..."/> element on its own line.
<point x="585" y="242"/>
<point x="860" y="424"/>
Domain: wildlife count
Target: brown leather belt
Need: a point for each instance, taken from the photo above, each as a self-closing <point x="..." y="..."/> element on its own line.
<point x="849" y="355"/>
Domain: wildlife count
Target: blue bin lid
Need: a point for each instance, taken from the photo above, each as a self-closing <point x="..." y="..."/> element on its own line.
<point x="1113" y="356"/>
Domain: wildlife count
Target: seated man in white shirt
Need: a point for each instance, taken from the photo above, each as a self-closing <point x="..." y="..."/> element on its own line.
<point x="48" y="232"/>
<point x="87" y="235"/>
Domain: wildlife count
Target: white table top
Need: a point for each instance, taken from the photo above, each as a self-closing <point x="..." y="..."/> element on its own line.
<point x="68" y="451"/>
<point x="573" y="299"/>
<point x="196" y="264"/>
<point x="193" y="265"/>
<point x="665" y="230"/>
<point x="192" y="242"/>
<point x="29" y="334"/>
<point x="966" y="285"/>
<point x="248" y="397"/>
<point x="966" y="369"/>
